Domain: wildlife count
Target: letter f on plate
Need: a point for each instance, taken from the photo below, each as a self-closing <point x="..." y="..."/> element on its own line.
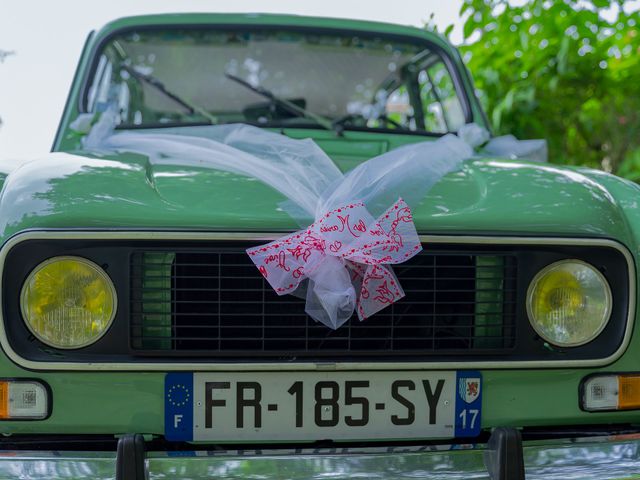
<point x="176" y="420"/>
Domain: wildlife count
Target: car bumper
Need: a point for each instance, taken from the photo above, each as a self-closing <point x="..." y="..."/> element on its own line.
<point x="612" y="457"/>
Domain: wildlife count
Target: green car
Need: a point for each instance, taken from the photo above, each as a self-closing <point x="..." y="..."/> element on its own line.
<point x="139" y="339"/>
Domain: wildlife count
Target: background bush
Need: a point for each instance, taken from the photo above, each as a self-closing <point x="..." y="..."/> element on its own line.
<point x="559" y="70"/>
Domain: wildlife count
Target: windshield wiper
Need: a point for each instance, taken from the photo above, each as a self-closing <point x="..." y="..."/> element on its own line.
<point x="160" y="87"/>
<point x="286" y="104"/>
<point x="350" y="118"/>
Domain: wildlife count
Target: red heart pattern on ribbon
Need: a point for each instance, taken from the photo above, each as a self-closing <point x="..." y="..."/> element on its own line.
<point x="365" y="244"/>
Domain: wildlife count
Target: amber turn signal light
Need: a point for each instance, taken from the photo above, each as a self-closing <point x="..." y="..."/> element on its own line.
<point x="610" y="392"/>
<point x="23" y="400"/>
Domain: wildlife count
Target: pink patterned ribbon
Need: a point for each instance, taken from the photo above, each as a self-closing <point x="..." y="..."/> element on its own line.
<point x="350" y="233"/>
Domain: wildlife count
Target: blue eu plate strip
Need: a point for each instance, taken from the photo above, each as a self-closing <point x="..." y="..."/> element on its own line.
<point x="468" y="403"/>
<point x="178" y="406"/>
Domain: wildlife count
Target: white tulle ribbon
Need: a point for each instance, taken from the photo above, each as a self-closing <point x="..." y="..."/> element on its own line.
<point x="346" y="240"/>
<point x="337" y="255"/>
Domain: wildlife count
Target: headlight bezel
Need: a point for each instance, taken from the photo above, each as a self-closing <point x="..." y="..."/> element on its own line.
<point x="101" y="273"/>
<point x="608" y="294"/>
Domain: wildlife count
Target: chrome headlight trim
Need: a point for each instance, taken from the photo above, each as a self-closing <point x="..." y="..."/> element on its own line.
<point x="99" y="270"/>
<point x="542" y="273"/>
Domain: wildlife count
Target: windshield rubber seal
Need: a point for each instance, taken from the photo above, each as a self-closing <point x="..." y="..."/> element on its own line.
<point x="280" y="126"/>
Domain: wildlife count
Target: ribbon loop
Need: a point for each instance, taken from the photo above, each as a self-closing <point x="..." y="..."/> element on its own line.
<point x="364" y="245"/>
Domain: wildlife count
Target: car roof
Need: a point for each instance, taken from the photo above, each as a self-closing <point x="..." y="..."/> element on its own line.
<point x="192" y="19"/>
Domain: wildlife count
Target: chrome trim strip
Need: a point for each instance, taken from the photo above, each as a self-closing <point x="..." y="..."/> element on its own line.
<point x="317" y="366"/>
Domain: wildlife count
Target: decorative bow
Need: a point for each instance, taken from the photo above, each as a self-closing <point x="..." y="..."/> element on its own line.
<point x="345" y="238"/>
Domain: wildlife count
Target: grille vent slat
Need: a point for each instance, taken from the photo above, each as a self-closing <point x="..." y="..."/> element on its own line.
<point x="213" y="302"/>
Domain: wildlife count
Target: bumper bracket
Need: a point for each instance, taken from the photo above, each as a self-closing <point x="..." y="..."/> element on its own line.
<point x="130" y="458"/>
<point x="504" y="457"/>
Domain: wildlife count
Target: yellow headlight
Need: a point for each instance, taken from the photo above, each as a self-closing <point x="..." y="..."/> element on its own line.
<point x="569" y="303"/>
<point x="68" y="302"/>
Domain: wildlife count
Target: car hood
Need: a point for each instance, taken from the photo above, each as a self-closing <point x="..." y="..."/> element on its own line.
<point x="487" y="196"/>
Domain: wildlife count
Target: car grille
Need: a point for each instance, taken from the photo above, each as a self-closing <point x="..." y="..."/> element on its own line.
<point x="213" y="302"/>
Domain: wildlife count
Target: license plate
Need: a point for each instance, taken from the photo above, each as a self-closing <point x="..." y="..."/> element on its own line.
<point x="307" y="406"/>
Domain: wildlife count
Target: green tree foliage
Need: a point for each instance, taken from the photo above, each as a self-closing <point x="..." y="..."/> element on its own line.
<point x="560" y="70"/>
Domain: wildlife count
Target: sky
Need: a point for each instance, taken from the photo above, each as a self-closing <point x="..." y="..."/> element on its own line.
<point x="47" y="37"/>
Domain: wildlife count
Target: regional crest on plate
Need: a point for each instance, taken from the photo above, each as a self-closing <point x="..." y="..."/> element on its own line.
<point x="469" y="388"/>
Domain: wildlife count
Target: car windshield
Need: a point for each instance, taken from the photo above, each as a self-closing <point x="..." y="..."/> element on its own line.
<point x="275" y="78"/>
